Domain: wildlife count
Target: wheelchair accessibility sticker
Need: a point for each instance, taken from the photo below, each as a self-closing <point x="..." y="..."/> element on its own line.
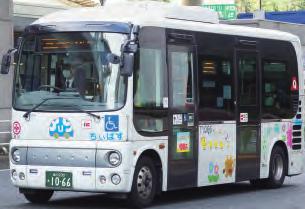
<point x="111" y="123"/>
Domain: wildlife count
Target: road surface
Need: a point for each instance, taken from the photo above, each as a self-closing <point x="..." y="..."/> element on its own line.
<point x="233" y="196"/>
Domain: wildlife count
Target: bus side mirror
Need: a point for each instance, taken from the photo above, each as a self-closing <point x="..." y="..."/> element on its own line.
<point x="6" y="63"/>
<point x="127" y="64"/>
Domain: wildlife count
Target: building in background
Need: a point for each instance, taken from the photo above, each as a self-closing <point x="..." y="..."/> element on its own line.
<point x="27" y="11"/>
<point x="6" y="42"/>
<point x="14" y="17"/>
<point x="289" y="21"/>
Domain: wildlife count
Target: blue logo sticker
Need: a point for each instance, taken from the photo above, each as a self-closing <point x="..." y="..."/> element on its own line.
<point x="111" y="123"/>
<point x="61" y="127"/>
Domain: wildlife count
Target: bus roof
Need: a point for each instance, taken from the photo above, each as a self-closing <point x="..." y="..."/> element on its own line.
<point x="162" y="15"/>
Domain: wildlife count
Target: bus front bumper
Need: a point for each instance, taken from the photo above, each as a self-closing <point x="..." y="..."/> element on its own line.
<point x="79" y="169"/>
<point x="83" y="179"/>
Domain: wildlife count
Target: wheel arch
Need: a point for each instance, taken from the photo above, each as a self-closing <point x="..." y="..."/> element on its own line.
<point x="284" y="148"/>
<point x="155" y="156"/>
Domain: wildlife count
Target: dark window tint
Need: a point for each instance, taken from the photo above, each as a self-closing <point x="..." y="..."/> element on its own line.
<point x="277" y="101"/>
<point x="247" y="80"/>
<point x="216" y="89"/>
<point x="216" y="77"/>
<point x="280" y="83"/>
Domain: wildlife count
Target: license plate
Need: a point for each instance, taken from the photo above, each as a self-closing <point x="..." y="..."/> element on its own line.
<point x="60" y="180"/>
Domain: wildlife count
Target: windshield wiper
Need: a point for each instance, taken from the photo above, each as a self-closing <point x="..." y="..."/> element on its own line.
<point x="85" y="111"/>
<point x="27" y="114"/>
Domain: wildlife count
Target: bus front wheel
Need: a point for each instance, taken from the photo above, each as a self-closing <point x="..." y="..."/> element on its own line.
<point x="37" y="196"/>
<point x="144" y="184"/>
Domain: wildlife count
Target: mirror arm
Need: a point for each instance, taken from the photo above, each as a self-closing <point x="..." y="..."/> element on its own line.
<point x="12" y="51"/>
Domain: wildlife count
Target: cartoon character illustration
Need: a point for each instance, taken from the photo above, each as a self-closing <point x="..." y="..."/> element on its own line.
<point x="221" y="145"/>
<point x="61" y="127"/>
<point x="203" y="143"/>
<point x="210" y="145"/>
<point x="264" y="147"/>
<point x="229" y="166"/>
<point x="277" y="129"/>
<point x="215" y="144"/>
<point x="284" y="127"/>
<point x="289" y="136"/>
<point x="213" y="176"/>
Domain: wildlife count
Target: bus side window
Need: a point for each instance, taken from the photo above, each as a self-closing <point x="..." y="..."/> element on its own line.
<point x="215" y="77"/>
<point x="279" y="71"/>
<point x="276" y="89"/>
<point x="216" y="89"/>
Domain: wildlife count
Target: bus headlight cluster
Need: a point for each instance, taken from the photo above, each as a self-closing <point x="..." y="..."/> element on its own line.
<point x="114" y="158"/>
<point x="16" y="155"/>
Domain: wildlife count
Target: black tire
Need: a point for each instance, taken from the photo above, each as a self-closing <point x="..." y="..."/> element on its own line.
<point x="259" y="183"/>
<point x="37" y="196"/>
<point x="276" y="173"/>
<point x="277" y="170"/>
<point x="145" y="171"/>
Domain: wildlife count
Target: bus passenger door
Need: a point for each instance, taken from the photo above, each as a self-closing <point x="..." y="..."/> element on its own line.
<point x="248" y="118"/>
<point x="182" y="168"/>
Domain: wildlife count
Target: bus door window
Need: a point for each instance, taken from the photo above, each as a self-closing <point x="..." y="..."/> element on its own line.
<point x="247" y="81"/>
<point x="248" y="101"/>
<point x="182" y="63"/>
<point x="182" y="66"/>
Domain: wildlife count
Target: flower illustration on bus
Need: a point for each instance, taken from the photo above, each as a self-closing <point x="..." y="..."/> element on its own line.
<point x="61" y="127"/>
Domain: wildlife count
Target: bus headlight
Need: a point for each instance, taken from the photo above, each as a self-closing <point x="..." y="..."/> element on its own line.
<point x="114" y="158"/>
<point x="16" y="155"/>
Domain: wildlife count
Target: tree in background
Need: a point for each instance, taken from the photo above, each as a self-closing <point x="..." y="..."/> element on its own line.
<point x="270" y="5"/>
<point x="247" y="5"/>
<point x="102" y="2"/>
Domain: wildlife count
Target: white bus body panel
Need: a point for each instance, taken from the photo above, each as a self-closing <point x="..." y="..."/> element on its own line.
<point x="217" y="154"/>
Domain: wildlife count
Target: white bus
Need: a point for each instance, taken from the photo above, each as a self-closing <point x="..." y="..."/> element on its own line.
<point x="141" y="98"/>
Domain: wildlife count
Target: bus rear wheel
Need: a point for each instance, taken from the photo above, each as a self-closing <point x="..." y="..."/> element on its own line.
<point x="37" y="196"/>
<point x="144" y="184"/>
<point x="277" y="170"/>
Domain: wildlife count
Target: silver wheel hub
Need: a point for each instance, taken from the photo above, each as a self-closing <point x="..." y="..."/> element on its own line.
<point x="144" y="182"/>
<point x="277" y="167"/>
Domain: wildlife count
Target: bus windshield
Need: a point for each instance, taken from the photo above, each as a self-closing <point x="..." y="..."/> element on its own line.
<point x="72" y="66"/>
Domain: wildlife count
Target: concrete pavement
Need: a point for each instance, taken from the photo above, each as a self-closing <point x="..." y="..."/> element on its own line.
<point x="4" y="162"/>
<point x="233" y="196"/>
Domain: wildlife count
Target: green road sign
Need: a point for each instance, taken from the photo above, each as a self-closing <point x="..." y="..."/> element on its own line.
<point x="225" y="11"/>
